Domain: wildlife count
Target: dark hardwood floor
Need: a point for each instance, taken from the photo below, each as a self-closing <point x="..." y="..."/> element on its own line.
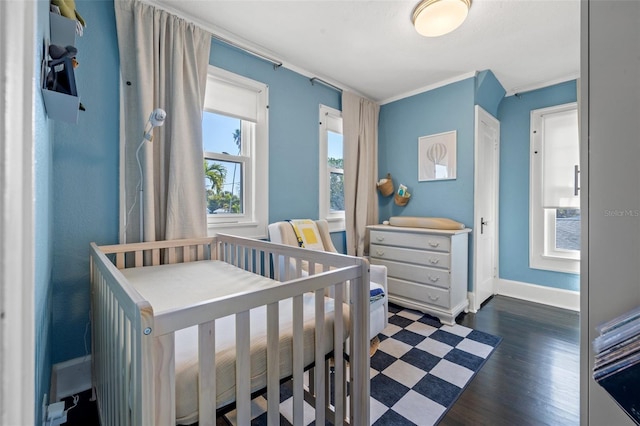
<point x="533" y="376"/>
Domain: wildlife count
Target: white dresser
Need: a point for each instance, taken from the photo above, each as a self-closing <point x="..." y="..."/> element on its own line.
<point x="426" y="268"/>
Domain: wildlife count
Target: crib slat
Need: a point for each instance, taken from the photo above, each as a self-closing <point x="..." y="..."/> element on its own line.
<point x="127" y="349"/>
<point x="338" y="344"/>
<point x="186" y="254"/>
<point x="207" y="374"/>
<point x="298" y="361"/>
<point x="138" y="259"/>
<point x="250" y="266"/>
<point x="359" y="341"/>
<point x="298" y="269"/>
<point x="120" y="365"/>
<point x="155" y="257"/>
<point x="267" y="258"/>
<point x="243" y="369"/>
<point x="110" y="370"/>
<point x="319" y="384"/>
<point x="120" y="260"/>
<point x="103" y="344"/>
<point x="136" y="391"/>
<point x="200" y="252"/>
<point x="273" y="364"/>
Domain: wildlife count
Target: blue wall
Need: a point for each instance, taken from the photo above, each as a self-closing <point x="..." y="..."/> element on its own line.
<point x="514" y="115"/>
<point x="401" y="124"/>
<point x="43" y="222"/>
<point x="85" y="179"/>
<point x="489" y="92"/>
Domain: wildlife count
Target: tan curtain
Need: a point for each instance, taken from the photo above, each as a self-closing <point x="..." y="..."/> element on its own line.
<point x="163" y="62"/>
<point x="360" y="135"/>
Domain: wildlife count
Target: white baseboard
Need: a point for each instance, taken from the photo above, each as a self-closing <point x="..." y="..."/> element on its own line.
<point x="70" y="377"/>
<point x="557" y="297"/>
<point x="472" y="302"/>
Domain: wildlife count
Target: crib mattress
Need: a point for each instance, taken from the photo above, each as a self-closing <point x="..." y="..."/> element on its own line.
<point x="169" y="287"/>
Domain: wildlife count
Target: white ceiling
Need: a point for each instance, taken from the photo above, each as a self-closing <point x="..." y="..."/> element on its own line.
<point x="370" y="46"/>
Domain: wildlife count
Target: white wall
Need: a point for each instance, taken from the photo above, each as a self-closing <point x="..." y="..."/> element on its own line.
<point x="610" y="98"/>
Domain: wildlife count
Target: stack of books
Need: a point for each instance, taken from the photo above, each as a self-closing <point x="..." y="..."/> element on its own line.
<point x="617" y="362"/>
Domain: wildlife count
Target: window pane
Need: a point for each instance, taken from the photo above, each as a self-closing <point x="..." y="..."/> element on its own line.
<point x="221" y="134"/>
<point x="568" y="229"/>
<point x="336" y="191"/>
<point x="334" y="149"/>
<point x="561" y="152"/>
<point x="223" y="183"/>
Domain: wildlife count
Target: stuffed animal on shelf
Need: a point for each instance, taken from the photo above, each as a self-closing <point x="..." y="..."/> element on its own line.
<point x="68" y="10"/>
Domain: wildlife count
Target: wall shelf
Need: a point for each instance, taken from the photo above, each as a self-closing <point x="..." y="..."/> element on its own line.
<point x="60" y="105"/>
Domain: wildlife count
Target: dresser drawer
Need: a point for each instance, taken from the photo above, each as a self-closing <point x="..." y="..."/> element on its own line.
<point x="424" y="293"/>
<point x="413" y="240"/>
<point x="428" y="258"/>
<point x="419" y="274"/>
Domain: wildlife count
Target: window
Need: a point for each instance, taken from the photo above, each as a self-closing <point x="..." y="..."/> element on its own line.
<point x="554" y="229"/>
<point x="331" y="189"/>
<point x="235" y="136"/>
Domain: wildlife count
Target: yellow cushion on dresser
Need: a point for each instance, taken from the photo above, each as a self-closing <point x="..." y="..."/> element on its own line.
<point x="425" y="222"/>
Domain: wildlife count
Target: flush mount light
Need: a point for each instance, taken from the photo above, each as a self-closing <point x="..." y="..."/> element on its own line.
<point x="433" y="18"/>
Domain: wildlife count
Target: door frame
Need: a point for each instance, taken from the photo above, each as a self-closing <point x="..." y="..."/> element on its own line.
<point x="474" y="303"/>
<point x="17" y="359"/>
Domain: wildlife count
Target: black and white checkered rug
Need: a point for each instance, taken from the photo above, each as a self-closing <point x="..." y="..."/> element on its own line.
<point x="419" y="370"/>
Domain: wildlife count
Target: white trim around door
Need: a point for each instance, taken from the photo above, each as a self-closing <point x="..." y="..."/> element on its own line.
<point x="17" y="41"/>
<point x="485" y="208"/>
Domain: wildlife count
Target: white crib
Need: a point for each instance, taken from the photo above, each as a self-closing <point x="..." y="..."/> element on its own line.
<point x="137" y="314"/>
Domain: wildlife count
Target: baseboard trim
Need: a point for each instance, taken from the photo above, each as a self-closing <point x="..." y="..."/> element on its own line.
<point x="472" y="302"/>
<point x="70" y="377"/>
<point x="557" y="297"/>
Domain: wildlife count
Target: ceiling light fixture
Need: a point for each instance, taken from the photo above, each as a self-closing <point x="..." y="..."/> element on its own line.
<point x="433" y="18"/>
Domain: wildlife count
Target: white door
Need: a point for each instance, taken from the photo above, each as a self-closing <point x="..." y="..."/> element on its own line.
<point x="485" y="230"/>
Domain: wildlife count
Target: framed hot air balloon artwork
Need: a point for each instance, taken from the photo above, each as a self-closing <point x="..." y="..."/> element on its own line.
<point x="437" y="156"/>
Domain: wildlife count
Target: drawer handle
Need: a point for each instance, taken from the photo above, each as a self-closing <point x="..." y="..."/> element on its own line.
<point x="433" y="298"/>
<point x="434" y="243"/>
<point x="434" y="261"/>
<point x="433" y="279"/>
<point x="380" y="252"/>
<point x="379" y="238"/>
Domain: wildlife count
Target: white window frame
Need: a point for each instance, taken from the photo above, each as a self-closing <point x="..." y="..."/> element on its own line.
<point x="330" y="119"/>
<point x="254" y="157"/>
<point x="542" y="251"/>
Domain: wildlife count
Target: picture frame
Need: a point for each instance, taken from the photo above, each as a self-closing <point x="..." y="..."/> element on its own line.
<point x="437" y="157"/>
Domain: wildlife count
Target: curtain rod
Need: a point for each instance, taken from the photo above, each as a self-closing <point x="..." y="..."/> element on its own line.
<point x="276" y="63"/>
<point x="321" y="81"/>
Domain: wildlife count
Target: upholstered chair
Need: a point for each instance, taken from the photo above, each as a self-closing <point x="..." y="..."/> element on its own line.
<point x="283" y="233"/>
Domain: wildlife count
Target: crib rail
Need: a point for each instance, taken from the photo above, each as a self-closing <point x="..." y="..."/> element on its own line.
<point x="134" y="349"/>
